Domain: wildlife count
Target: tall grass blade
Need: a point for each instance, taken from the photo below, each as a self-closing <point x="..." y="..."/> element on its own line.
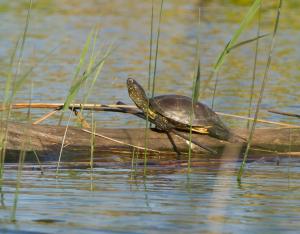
<point x="254" y="69"/>
<point x="23" y="39"/>
<point x="265" y="79"/>
<point x="18" y="182"/>
<point x="5" y="113"/>
<point x="154" y="74"/>
<point x="197" y="77"/>
<point x="62" y="145"/>
<point x="8" y="83"/>
<point x="156" y="49"/>
<point x="257" y="38"/>
<point x="73" y="91"/>
<point x="196" y="87"/>
<point x="246" y="20"/>
<point x="91" y="68"/>
<point x="21" y="81"/>
<point x="150" y="46"/>
<point x="77" y="82"/>
<point x="92" y="151"/>
<point x="147" y="125"/>
<point x="96" y="74"/>
<point x="7" y="97"/>
<point x="22" y="157"/>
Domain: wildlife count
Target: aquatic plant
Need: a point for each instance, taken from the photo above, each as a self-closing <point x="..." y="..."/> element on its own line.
<point x="262" y="89"/>
<point x="152" y="74"/>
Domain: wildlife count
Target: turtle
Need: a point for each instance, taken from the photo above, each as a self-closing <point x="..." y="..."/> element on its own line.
<point x="176" y="112"/>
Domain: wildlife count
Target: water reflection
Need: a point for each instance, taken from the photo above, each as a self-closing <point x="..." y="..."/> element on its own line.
<point x="170" y="201"/>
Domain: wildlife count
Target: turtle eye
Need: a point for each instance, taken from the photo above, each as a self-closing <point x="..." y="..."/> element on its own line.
<point x="129" y="80"/>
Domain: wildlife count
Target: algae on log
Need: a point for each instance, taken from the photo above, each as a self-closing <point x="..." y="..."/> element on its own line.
<point x="46" y="140"/>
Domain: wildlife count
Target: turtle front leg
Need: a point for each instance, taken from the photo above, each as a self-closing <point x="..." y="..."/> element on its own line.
<point x="174" y="145"/>
<point x="180" y="134"/>
<point x="162" y="123"/>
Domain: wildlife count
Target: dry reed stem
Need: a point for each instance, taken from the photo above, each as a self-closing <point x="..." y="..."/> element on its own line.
<point x="44" y="117"/>
<point x="120" y="142"/>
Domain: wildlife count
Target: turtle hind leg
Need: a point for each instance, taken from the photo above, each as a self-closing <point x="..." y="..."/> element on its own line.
<point x="201" y="130"/>
<point x="174" y="145"/>
<point x="194" y="142"/>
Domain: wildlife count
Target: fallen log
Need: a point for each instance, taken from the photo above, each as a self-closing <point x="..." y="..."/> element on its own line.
<point x="46" y="142"/>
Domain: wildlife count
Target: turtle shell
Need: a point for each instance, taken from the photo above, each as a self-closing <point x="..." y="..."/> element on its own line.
<point x="178" y="109"/>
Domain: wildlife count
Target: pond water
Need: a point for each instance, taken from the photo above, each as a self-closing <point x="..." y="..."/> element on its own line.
<point x="168" y="200"/>
<point x="115" y="200"/>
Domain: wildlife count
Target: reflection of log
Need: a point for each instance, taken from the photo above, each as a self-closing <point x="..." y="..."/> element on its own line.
<point x="46" y="141"/>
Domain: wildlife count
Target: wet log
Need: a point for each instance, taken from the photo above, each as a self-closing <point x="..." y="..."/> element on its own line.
<point x="45" y="141"/>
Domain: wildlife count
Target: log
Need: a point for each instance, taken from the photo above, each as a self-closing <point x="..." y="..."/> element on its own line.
<point x="46" y="141"/>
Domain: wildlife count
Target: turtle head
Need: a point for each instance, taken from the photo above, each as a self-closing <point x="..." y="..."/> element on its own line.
<point x="137" y="94"/>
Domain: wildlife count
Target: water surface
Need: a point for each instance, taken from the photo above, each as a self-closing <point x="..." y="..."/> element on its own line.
<point x="207" y="200"/>
<point x="118" y="199"/>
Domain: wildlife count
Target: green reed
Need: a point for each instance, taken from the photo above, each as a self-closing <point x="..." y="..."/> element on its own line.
<point x="22" y="157"/>
<point x="221" y="58"/>
<point x="290" y="150"/>
<point x="6" y="112"/>
<point x="153" y="78"/>
<point x="150" y="46"/>
<point x="94" y="66"/>
<point x="147" y="124"/>
<point x="254" y="68"/>
<point x="156" y="49"/>
<point x="62" y="145"/>
<point x="133" y="163"/>
<point x="9" y="93"/>
<point x="11" y="81"/>
<point x="78" y="79"/>
<point x="94" y="57"/>
<point x="88" y="65"/>
<point x="98" y="68"/>
<point x="94" y="128"/>
<point x="196" y="88"/>
<point x="74" y="89"/>
<point x="264" y="82"/>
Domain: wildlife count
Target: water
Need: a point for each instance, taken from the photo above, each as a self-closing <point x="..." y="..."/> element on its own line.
<point x="168" y="200"/>
<point x="116" y="199"/>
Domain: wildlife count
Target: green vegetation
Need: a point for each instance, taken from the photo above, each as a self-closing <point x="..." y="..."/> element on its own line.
<point x="152" y="74"/>
<point x="90" y="65"/>
<point x="8" y="101"/>
<point x="262" y="89"/>
<point x="233" y="41"/>
<point x="254" y="69"/>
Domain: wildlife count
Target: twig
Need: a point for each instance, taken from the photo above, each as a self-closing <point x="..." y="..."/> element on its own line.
<point x="60" y="105"/>
<point x="62" y="146"/>
<point x="46" y="116"/>
<point x="120" y="142"/>
<point x="259" y="120"/>
<point x="284" y="113"/>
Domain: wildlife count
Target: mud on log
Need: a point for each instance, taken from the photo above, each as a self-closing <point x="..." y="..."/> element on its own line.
<point x="46" y="140"/>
